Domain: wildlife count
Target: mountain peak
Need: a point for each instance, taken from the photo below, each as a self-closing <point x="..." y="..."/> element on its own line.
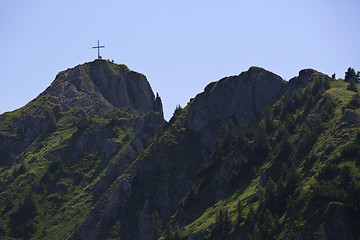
<point x="101" y="85"/>
<point x="242" y="96"/>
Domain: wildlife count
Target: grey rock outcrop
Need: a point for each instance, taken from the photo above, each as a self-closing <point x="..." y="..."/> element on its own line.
<point x="305" y="76"/>
<point x="244" y="96"/>
<point x="21" y="129"/>
<point x="336" y="225"/>
<point x="100" y="86"/>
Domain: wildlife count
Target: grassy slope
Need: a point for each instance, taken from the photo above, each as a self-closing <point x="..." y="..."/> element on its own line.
<point x="57" y="178"/>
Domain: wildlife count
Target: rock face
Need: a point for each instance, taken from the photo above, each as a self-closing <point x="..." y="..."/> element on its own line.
<point x="20" y="129"/>
<point x="244" y="96"/>
<point x="305" y="76"/>
<point x="336" y="225"/>
<point x="101" y="86"/>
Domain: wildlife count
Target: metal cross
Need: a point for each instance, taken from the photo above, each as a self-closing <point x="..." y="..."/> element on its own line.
<point x="98" y="47"/>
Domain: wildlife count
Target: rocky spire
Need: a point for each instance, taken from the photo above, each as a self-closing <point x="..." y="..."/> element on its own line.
<point x="158" y="105"/>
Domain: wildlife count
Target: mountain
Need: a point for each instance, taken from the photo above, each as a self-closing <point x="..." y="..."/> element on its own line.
<point x="92" y="89"/>
<point x="251" y="157"/>
<point x="100" y="86"/>
<point x="62" y="149"/>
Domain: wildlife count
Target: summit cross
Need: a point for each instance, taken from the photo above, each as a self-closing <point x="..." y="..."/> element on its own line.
<point x="98" y="47"/>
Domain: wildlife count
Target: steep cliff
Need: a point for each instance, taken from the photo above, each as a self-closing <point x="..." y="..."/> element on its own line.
<point x="237" y="97"/>
<point x="244" y="96"/>
<point x="100" y="86"/>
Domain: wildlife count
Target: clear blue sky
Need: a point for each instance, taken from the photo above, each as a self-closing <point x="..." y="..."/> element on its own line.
<point x="180" y="46"/>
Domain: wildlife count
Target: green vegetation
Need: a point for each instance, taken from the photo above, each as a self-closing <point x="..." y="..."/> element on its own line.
<point x="48" y="190"/>
<point x="351" y="75"/>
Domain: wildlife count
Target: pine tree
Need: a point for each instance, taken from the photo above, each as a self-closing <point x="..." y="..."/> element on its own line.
<point x="239" y="208"/>
<point x="222" y="223"/>
<point x="262" y="145"/>
<point x="176" y="234"/>
<point x="257" y="233"/>
<point x="250" y="218"/>
<point x="271" y="194"/>
<point x="269" y="222"/>
<point x="350" y="74"/>
<point x="155" y="226"/>
<point x="241" y="138"/>
<point x="169" y="234"/>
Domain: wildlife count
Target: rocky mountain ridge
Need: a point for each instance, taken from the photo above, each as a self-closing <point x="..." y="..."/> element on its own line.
<point x="96" y="87"/>
<point x="93" y="158"/>
<point x="239" y="97"/>
<point x="100" y="86"/>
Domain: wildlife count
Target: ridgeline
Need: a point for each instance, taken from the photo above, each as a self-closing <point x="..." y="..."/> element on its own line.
<point x="251" y="157"/>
